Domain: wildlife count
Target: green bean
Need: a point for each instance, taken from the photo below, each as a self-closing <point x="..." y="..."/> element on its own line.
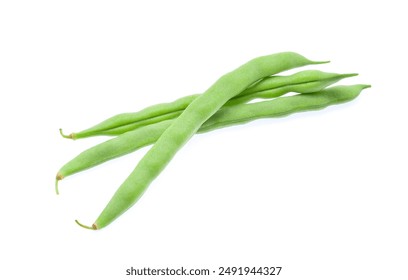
<point x="226" y="116"/>
<point x="187" y="124"/>
<point x="269" y="87"/>
<point x="283" y="106"/>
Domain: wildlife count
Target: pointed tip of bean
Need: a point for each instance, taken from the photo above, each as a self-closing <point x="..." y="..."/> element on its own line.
<point x="70" y="136"/>
<point x="348" y="75"/>
<point x="58" y="178"/>
<point x="93" y="227"/>
<point x="365" y="86"/>
<point x="56" y="187"/>
<point x="321" y="62"/>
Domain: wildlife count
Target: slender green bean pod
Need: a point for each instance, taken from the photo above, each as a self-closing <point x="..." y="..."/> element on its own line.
<point x="269" y="87"/>
<point x="283" y="106"/>
<point x="226" y="116"/>
<point x="187" y="124"/>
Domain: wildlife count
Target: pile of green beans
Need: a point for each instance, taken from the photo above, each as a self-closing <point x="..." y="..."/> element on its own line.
<point x="169" y="126"/>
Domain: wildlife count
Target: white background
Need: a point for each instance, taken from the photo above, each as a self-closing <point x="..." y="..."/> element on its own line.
<point x="323" y="194"/>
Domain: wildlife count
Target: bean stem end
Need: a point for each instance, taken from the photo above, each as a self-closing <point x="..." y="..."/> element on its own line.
<point x="58" y="178"/>
<point x="93" y="227"/>
<point x="56" y="186"/>
<point x="70" y="136"/>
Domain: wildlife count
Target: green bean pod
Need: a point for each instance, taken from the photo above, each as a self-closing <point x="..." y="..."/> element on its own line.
<point x="269" y="87"/>
<point x="283" y="106"/>
<point x="226" y="116"/>
<point x="187" y="124"/>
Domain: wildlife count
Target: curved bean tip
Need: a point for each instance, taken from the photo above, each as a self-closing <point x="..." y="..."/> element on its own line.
<point x="349" y="75"/>
<point x="93" y="227"/>
<point x="59" y="177"/>
<point x="321" y="62"/>
<point x="366" y="86"/>
<point x="56" y="186"/>
<point x="71" y="136"/>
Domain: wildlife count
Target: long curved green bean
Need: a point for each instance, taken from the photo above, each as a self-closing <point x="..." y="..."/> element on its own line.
<point x="264" y="88"/>
<point x="226" y="116"/>
<point x="282" y="106"/>
<point x="187" y="124"/>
